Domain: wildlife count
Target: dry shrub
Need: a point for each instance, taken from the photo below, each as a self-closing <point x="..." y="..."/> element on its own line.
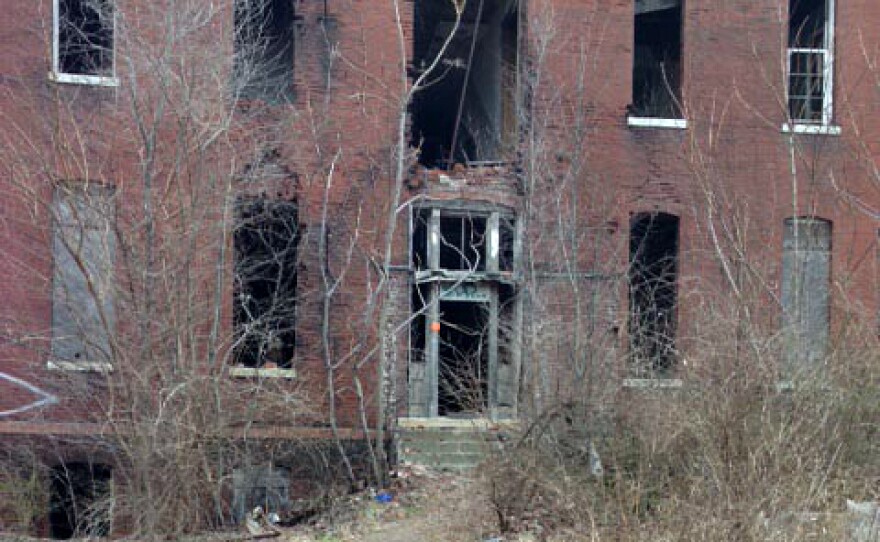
<point x="719" y="458"/>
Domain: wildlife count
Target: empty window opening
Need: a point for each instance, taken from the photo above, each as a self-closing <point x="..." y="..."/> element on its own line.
<point x="657" y="58"/>
<point x="463" y="358"/>
<point x="83" y="288"/>
<point x="463" y="242"/>
<point x="466" y="113"/>
<point x="84" y="35"/>
<point x="266" y="487"/>
<point x="810" y="61"/>
<point x="806" y="278"/>
<point x="266" y="240"/>
<point x="264" y="48"/>
<point x="80" y="500"/>
<point x="653" y="274"/>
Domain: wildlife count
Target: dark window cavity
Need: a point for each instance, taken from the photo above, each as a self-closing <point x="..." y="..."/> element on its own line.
<point x="657" y="58"/>
<point x="653" y="274"/>
<point x="806" y="277"/>
<point x="85" y="37"/>
<point x="264" y="48"/>
<point x="83" y="249"/>
<point x="80" y="500"/>
<point x="266" y="240"/>
<point x="467" y="112"/>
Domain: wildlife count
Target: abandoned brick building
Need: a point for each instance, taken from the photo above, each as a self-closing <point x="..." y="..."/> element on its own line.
<point x="340" y="219"/>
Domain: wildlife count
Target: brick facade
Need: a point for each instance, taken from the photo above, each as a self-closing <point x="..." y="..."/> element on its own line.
<point x="732" y="176"/>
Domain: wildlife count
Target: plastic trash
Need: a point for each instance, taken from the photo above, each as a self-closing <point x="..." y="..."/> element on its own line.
<point x="384" y="497"/>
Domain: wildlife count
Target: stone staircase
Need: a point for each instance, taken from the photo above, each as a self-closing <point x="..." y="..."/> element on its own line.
<point x="448" y="444"/>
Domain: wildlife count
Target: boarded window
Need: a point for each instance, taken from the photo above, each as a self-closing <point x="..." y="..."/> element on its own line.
<point x="806" y="276"/>
<point x="264" y="48"/>
<point x="653" y="277"/>
<point x="84" y="35"/>
<point x="266" y="241"/>
<point x="657" y="58"/>
<point x="83" y="248"/>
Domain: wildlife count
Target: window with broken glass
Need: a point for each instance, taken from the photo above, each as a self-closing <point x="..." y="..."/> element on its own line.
<point x="83" y="40"/>
<point x="810" y="61"/>
<point x="266" y="241"/>
<point x="464" y="312"/>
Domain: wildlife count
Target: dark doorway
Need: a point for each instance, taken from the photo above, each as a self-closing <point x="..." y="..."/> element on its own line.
<point x="463" y="366"/>
<point x="79" y="501"/>
<point x="653" y="274"/>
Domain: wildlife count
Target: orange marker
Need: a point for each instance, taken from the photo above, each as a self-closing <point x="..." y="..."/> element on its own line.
<point x="435" y="327"/>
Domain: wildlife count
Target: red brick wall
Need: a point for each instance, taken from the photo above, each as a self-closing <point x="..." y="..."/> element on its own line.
<point x="732" y="150"/>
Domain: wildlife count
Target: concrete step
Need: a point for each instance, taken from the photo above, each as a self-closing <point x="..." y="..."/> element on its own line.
<point x="451" y="445"/>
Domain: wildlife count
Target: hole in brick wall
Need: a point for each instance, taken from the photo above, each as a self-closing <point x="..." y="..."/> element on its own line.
<point x="653" y="273"/>
<point x="466" y="113"/>
<point x="657" y="58"/>
<point x="79" y="501"/>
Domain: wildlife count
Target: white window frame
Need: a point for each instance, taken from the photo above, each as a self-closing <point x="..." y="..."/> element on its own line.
<point x="827" y="53"/>
<point x="58" y="76"/>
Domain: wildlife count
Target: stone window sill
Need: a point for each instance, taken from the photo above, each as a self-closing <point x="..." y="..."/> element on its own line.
<point x="811" y="129"/>
<point x="654" y="122"/>
<point x="79" y="366"/>
<point x="261" y="372"/>
<point x="80" y="79"/>
<point x="652" y="383"/>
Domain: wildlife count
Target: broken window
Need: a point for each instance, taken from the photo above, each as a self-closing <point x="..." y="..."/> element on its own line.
<point x="462" y="240"/>
<point x="806" y="276"/>
<point x="80" y="500"/>
<point x="810" y="60"/>
<point x="266" y="487"/>
<point x="464" y="305"/>
<point x="83" y="39"/>
<point x="264" y="46"/>
<point x="83" y="250"/>
<point x="266" y="240"/>
<point x="657" y="59"/>
<point x="653" y="274"/>
<point x="466" y="112"/>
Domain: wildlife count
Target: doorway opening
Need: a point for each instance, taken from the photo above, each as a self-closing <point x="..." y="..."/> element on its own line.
<point x="653" y="276"/>
<point x="463" y="383"/>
